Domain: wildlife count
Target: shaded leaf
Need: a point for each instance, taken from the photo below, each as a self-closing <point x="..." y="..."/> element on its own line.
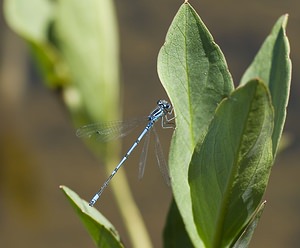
<point x="244" y="239"/>
<point x="230" y="169"/>
<point x="175" y="234"/>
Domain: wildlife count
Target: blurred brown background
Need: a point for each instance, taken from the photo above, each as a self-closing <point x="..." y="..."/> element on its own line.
<point x="39" y="150"/>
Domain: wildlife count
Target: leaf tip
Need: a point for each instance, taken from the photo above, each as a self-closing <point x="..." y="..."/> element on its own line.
<point x="285" y="18"/>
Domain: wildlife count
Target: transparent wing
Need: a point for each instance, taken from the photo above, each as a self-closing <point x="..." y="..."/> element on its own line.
<point x="109" y="131"/>
<point x="143" y="157"/>
<point x="162" y="164"/>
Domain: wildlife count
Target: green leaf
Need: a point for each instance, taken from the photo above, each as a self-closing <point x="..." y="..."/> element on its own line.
<point x="194" y="73"/>
<point x="175" y="234"/>
<point x="87" y="37"/>
<point x="100" y="229"/>
<point x="34" y="27"/>
<point x="30" y="18"/>
<point x="244" y="239"/>
<point x="229" y="171"/>
<point x="273" y="65"/>
<point x="76" y="46"/>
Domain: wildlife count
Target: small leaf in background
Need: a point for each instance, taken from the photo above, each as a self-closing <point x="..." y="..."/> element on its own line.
<point x="194" y="73"/>
<point x="245" y="238"/>
<point x="273" y="65"/>
<point x="100" y="229"/>
<point x="230" y="169"/>
<point x="34" y="26"/>
<point x="76" y="46"/>
<point x="24" y="18"/>
<point x="87" y="36"/>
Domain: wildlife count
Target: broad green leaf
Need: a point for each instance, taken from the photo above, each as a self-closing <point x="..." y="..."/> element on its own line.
<point x="230" y="169"/>
<point x="194" y="73"/>
<point x="100" y="229"/>
<point x="244" y="239"/>
<point x="175" y="234"/>
<point x="273" y="65"/>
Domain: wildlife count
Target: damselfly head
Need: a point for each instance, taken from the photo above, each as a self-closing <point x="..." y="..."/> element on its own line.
<point x="164" y="105"/>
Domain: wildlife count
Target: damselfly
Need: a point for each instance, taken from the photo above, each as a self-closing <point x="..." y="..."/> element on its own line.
<point x="120" y="129"/>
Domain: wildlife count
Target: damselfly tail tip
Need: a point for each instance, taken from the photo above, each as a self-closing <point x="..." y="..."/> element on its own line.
<point x="93" y="201"/>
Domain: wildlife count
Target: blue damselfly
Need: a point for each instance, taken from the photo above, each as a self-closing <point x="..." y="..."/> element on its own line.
<point x="105" y="132"/>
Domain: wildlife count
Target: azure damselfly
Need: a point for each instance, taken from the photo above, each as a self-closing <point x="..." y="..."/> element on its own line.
<point x="119" y="129"/>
